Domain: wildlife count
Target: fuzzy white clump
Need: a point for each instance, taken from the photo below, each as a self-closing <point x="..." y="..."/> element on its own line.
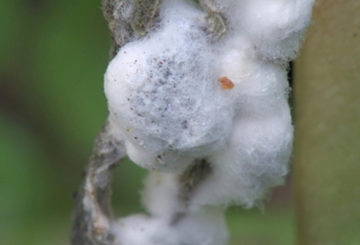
<point x="274" y="27"/>
<point x="206" y="227"/>
<point x="168" y="110"/>
<point x="167" y="101"/>
<point x="160" y="195"/>
<point x="143" y="230"/>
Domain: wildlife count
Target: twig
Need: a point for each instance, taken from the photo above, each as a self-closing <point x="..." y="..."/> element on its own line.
<point x="93" y="212"/>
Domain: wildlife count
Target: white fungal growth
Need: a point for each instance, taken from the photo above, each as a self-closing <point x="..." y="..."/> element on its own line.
<point x="274" y="27"/>
<point x="160" y="196"/>
<point x="206" y="227"/>
<point x="168" y="110"/>
<point x="176" y="95"/>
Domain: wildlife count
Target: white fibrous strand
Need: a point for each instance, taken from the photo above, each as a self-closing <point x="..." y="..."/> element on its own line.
<point x="176" y="95"/>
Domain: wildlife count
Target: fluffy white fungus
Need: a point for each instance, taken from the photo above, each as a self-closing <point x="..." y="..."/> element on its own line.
<point x="143" y="230"/>
<point x="163" y="94"/>
<point x="205" y="227"/>
<point x="274" y="27"/>
<point x="176" y="95"/>
<point x="160" y="195"/>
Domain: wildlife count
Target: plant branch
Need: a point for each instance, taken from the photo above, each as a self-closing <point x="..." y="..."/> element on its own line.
<point x="92" y="215"/>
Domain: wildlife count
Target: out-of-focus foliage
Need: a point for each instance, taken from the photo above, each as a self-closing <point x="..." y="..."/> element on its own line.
<point x="52" y="58"/>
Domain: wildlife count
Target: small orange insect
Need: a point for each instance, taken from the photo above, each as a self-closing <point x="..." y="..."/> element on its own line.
<point x="226" y="83"/>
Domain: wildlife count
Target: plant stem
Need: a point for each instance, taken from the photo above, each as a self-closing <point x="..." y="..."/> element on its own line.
<point x="327" y="89"/>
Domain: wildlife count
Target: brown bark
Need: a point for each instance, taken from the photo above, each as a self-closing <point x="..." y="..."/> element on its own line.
<point x="92" y="215"/>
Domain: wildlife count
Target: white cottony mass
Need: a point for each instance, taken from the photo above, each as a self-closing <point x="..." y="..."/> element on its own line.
<point x="163" y="98"/>
<point x="177" y="95"/>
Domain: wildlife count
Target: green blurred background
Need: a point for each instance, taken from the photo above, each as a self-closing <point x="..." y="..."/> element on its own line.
<point x="52" y="58"/>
